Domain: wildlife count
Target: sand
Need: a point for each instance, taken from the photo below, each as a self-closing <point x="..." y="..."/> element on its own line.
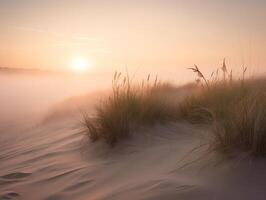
<point x="44" y="156"/>
<point x="54" y="160"/>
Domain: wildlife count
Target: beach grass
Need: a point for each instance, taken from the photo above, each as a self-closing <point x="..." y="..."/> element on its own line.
<point x="235" y="109"/>
<point x="130" y="106"/>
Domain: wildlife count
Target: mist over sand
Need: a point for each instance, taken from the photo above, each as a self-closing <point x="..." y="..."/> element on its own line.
<point x="28" y="94"/>
<point x="52" y="159"/>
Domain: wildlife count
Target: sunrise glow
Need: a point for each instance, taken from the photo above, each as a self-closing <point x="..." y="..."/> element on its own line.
<point x="80" y="64"/>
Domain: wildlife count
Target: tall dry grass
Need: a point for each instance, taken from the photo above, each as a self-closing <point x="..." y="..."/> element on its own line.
<point x="130" y="106"/>
<point x="236" y="109"/>
<point x="243" y="123"/>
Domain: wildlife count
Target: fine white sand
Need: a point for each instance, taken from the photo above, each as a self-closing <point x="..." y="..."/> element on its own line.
<point x="49" y="157"/>
<point x="54" y="160"/>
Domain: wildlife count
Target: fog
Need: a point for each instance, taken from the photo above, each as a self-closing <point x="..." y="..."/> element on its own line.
<point x="28" y="95"/>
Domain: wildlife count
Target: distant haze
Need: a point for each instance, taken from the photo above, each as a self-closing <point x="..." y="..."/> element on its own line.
<point x="161" y="36"/>
<point x="25" y="95"/>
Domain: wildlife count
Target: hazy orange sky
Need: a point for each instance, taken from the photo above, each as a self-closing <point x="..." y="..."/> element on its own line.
<point x="158" y="35"/>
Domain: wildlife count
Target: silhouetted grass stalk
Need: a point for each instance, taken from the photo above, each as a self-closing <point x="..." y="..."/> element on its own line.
<point x="236" y="109"/>
<point x="129" y="106"/>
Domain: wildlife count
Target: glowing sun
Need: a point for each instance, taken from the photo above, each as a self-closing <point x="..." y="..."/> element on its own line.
<point x="80" y="64"/>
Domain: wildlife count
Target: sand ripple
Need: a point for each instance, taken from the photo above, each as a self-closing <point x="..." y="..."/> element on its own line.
<point x="49" y="162"/>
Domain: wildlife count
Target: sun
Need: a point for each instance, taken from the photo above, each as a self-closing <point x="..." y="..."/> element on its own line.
<point x="80" y="64"/>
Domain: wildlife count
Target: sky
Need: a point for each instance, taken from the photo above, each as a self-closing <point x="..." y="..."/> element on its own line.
<point x="159" y="36"/>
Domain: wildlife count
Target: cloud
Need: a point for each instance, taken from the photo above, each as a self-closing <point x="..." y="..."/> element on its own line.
<point x="67" y="40"/>
<point x="91" y="49"/>
<point x="55" y="34"/>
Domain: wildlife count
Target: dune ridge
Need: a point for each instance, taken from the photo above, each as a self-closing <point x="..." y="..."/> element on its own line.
<point x="51" y="158"/>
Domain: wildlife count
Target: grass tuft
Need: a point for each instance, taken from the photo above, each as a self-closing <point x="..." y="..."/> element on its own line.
<point x="235" y="109"/>
<point x="130" y="106"/>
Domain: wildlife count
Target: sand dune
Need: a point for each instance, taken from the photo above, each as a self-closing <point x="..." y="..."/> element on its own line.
<point x="53" y="160"/>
